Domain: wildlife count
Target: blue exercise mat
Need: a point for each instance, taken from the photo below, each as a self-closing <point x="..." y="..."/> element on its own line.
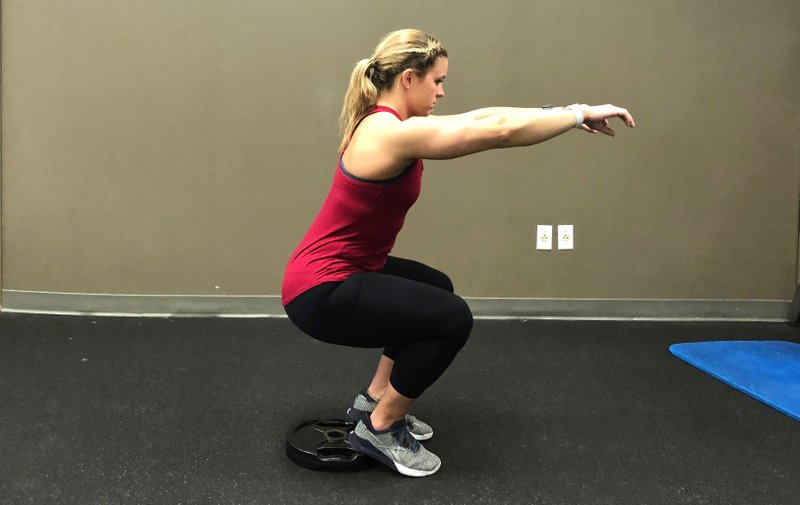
<point x="769" y="371"/>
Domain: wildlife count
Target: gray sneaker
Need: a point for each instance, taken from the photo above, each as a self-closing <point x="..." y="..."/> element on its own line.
<point x="364" y="404"/>
<point x="395" y="448"/>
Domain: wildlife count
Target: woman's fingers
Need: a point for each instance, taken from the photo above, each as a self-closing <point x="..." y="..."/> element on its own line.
<point x="601" y="113"/>
<point x="602" y="127"/>
<point x="596" y="118"/>
<point x="608" y="131"/>
<point x="626" y="118"/>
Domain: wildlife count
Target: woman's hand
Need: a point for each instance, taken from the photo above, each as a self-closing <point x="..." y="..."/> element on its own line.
<point x="595" y="117"/>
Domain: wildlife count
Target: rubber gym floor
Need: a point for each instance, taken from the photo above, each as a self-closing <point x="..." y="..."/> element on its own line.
<point x="99" y="410"/>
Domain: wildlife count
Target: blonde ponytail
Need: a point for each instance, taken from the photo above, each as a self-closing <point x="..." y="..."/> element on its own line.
<point x="361" y="96"/>
<point x="396" y="52"/>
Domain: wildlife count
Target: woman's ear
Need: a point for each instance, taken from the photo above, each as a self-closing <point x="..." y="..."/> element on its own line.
<point x="406" y="76"/>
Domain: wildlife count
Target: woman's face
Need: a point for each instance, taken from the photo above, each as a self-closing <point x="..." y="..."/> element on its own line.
<point x="425" y="91"/>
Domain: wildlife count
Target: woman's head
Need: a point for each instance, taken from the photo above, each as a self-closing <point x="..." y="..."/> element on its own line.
<point x="397" y="52"/>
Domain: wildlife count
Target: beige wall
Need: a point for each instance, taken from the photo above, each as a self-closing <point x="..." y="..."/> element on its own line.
<point x="183" y="146"/>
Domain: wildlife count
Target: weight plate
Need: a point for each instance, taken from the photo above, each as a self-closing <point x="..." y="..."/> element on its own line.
<point x="321" y="444"/>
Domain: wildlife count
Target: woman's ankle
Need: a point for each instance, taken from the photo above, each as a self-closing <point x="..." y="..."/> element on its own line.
<point x="375" y="394"/>
<point x="380" y="423"/>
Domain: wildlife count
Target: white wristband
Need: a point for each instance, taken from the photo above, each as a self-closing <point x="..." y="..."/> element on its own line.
<point x="578" y="116"/>
<point x="578" y="113"/>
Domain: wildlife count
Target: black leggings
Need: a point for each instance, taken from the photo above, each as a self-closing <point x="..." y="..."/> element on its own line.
<point x="409" y="309"/>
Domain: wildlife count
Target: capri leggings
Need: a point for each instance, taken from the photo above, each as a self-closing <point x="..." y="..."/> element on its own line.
<point x="409" y="309"/>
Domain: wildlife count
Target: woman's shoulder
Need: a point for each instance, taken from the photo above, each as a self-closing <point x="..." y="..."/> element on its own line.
<point x="371" y="153"/>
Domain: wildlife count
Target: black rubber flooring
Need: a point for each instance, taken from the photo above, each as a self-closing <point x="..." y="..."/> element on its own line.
<point x="195" y="411"/>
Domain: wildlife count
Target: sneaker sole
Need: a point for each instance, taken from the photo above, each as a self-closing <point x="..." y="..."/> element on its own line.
<point x="356" y="416"/>
<point x="365" y="447"/>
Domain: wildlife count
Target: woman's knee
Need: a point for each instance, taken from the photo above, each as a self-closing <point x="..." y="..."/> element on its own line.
<point x="444" y="282"/>
<point x="460" y="322"/>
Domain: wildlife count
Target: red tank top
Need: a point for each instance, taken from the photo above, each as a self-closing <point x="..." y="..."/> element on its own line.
<point x="355" y="229"/>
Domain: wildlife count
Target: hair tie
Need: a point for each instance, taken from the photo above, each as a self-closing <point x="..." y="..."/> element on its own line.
<point x="372" y="67"/>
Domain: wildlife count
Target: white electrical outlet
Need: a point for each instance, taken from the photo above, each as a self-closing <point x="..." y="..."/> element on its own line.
<point x="544" y="237"/>
<point x="566" y="239"/>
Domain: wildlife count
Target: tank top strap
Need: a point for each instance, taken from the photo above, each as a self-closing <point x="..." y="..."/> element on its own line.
<point x="382" y="108"/>
<point x="375" y="109"/>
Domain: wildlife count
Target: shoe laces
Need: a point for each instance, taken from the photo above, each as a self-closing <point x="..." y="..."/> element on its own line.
<point x="404" y="438"/>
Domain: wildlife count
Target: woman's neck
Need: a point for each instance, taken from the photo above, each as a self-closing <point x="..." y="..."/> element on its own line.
<point x="394" y="101"/>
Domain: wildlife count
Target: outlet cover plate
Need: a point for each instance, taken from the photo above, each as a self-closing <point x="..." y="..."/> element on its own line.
<point x="544" y="237"/>
<point x="566" y="237"/>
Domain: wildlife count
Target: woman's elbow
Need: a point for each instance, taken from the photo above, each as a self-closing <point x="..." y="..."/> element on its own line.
<point x="496" y="131"/>
<point x="505" y="137"/>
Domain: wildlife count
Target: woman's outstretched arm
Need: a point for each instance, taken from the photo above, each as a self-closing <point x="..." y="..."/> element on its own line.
<point x="443" y="137"/>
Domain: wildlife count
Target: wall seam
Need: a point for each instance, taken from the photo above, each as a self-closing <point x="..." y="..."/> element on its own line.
<point x="2" y="155"/>
<point x="88" y="304"/>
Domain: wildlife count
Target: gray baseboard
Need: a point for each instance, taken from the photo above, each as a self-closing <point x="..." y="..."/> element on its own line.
<point x="39" y="302"/>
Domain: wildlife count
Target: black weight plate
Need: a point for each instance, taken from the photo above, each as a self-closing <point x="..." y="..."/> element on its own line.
<point x="321" y="444"/>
